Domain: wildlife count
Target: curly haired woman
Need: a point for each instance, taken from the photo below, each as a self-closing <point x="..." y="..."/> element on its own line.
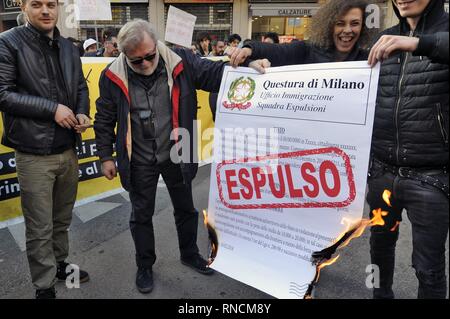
<point x="338" y="34"/>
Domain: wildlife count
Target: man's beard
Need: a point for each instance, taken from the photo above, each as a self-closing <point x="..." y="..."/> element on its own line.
<point x="148" y="71"/>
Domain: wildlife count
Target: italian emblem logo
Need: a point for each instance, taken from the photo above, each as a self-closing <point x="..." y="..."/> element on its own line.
<point x="240" y="93"/>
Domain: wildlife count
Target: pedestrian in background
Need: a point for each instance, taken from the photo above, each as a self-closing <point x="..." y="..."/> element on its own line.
<point x="108" y="44"/>
<point x="111" y="48"/>
<point x="271" y="37"/>
<point x="234" y="40"/>
<point x="203" y="44"/>
<point x="90" y="46"/>
<point x="218" y="48"/>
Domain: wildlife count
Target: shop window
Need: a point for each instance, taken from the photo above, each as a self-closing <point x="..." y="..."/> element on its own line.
<point x="287" y="27"/>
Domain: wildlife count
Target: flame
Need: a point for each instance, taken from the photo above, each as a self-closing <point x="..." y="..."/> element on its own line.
<point x="205" y="217"/>
<point x="397" y="223"/>
<point x="213" y="239"/>
<point x="328" y="262"/>
<point x="353" y="230"/>
<point x="324" y="264"/>
<point x="377" y="220"/>
<point x="387" y="197"/>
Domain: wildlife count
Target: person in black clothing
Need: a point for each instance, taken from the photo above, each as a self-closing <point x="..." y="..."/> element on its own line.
<point x="271" y="37"/>
<point x="44" y="102"/>
<point x="338" y="34"/>
<point x="203" y="44"/>
<point x="150" y="93"/>
<point x="234" y="40"/>
<point x="410" y="144"/>
<point x="109" y="43"/>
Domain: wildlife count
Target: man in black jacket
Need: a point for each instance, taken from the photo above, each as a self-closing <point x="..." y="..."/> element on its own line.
<point x="44" y="102"/>
<point x="149" y="91"/>
<point x="410" y="144"/>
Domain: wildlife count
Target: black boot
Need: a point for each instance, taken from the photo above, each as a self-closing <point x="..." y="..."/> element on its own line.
<point x="62" y="275"/>
<point x="49" y="293"/>
<point x="197" y="263"/>
<point x="144" y="280"/>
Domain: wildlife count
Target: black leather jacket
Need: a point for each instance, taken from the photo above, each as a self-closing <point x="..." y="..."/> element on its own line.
<point x="412" y="114"/>
<point x="26" y="100"/>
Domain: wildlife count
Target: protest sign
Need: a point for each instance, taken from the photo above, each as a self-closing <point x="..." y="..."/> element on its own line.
<point x="179" y="27"/>
<point x="99" y="10"/>
<point x="291" y="154"/>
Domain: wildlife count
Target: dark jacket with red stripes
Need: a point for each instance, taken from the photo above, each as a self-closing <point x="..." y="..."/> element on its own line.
<point x="186" y="74"/>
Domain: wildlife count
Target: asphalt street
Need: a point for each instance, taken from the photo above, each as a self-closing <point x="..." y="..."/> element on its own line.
<point x="101" y="243"/>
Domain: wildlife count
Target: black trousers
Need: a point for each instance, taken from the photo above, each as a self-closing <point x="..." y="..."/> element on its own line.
<point x="427" y="209"/>
<point x="144" y="183"/>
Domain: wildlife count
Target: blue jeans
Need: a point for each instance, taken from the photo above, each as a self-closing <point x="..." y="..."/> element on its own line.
<point x="427" y="209"/>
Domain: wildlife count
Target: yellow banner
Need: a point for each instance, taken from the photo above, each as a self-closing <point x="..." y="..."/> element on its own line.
<point x="92" y="185"/>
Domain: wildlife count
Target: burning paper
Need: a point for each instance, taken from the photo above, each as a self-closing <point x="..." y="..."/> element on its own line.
<point x="291" y="152"/>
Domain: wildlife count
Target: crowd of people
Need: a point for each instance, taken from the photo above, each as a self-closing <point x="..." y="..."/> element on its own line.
<point x="206" y="44"/>
<point x="149" y="91"/>
<point x="206" y="47"/>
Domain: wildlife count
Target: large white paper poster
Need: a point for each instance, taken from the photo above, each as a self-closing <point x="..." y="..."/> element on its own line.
<point x="180" y="27"/>
<point x="291" y="155"/>
<point x="99" y="10"/>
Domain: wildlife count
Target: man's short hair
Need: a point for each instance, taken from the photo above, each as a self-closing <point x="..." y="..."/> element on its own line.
<point x="133" y="33"/>
<point x="23" y="2"/>
<point x="246" y="41"/>
<point x="202" y="36"/>
<point x="273" y="36"/>
<point x="109" y="32"/>
<point x="233" y="37"/>
<point x="110" y="38"/>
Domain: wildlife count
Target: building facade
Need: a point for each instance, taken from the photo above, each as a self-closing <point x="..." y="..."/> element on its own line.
<point x="220" y="18"/>
<point x="292" y="19"/>
<point x="249" y="18"/>
<point x="9" y="9"/>
<point x="122" y="12"/>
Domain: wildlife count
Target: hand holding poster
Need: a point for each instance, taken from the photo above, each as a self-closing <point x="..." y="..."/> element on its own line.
<point x="290" y="182"/>
<point x="179" y="27"/>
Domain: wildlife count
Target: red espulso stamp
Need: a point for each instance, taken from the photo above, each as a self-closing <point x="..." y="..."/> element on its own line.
<point x="314" y="181"/>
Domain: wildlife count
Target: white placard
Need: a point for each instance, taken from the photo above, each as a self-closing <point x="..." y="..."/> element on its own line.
<point x="99" y="10"/>
<point x="291" y="154"/>
<point x="180" y="27"/>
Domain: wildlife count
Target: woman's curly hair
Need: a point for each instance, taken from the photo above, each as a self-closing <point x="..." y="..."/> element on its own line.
<point x="322" y="26"/>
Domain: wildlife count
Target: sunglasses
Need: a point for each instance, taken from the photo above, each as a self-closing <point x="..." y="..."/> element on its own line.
<point x="149" y="58"/>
